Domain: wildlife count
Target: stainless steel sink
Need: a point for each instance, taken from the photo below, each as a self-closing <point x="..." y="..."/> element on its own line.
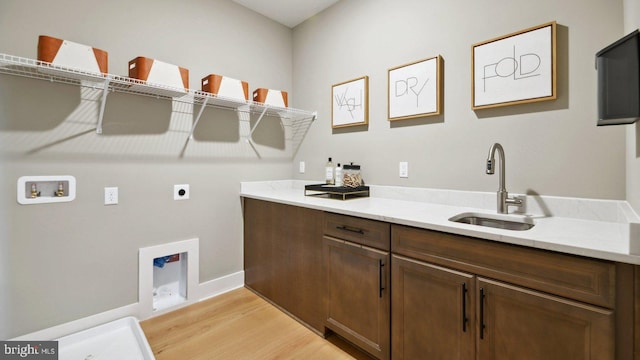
<point x="494" y="221"/>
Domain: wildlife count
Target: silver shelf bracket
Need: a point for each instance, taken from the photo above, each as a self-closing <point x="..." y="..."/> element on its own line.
<point x="103" y="103"/>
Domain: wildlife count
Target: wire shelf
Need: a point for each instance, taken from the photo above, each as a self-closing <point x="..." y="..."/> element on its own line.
<point x="15" y="65"/>
<point x="296" y="120"/>
<point x="201" y="97"/>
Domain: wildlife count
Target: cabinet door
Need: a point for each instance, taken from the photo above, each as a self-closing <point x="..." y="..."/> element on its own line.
<point x="516" y="323"/>
<point x="283" y="258"/>
<point x="357" y="295"/>
<point x="304" y="265"/>
<point x="432" y="314"/>
<point x="262" y="266"/>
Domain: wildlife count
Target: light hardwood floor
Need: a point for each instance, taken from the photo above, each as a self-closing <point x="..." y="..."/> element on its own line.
<point x="238" y="325"/>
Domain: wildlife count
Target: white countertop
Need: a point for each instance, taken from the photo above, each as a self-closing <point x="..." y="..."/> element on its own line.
<point x="603" y="229"/>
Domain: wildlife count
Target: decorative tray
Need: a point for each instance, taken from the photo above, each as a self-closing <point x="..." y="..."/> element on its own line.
<point x="337" y="192"/>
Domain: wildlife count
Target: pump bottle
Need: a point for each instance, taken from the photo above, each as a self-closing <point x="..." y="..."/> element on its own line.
<point x="329" y="173"/>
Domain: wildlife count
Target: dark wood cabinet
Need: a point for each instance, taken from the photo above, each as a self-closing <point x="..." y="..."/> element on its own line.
<point x="503" y="320"/>
<point x="573" y="277"/>
<point x="283" y="258"/>
<point x="516" y="323"/>
<point x="433" y="311"/>
<point x="358" y="295"/>
<point x="407" y="293"/>
<point x="357" y="282"/>
<point x="260" y="253"/>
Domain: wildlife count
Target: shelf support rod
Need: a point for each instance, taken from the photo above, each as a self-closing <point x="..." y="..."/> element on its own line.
<point x="258" y="121"/>
<point x="103" y="103"/>
<point x="254" y="148"/>
<point x="195" y="123"/>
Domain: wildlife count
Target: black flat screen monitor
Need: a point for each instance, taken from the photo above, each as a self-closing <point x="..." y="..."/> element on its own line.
<point x="618" y="67"/>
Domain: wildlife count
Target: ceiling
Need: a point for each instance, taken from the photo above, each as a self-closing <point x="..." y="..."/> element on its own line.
<point x="287" y="12"/>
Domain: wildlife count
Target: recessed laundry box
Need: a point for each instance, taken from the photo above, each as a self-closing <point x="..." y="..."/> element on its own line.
<point x="71" y="55"/>
<point x="167" y="79"/>
<point x="169" y="281"/>
<point x="168" y="277"/>
<point x="226" y="87"/>
<point x="271" y="97"/>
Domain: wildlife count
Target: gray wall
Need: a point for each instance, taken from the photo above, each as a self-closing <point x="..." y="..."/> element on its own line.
<point x="61" y="262"/>
<point x="631" y="23"/>
<point x="552" y="148"/>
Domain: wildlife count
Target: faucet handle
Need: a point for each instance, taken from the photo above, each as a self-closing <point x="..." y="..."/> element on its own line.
<point x="517" y="201"/>
<point x="513" y="202"/>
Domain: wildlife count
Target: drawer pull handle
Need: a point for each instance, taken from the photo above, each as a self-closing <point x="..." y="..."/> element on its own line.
<point x="464" y="307"/>
<point x="482" y="325"/>
<point x="350" y="229"/>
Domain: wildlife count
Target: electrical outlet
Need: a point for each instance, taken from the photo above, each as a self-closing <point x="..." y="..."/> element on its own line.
<point x="302" y="166"/>
<point x="404" y="169"/>
<point x="181" y="192"/>
<point x="111" y="196"/>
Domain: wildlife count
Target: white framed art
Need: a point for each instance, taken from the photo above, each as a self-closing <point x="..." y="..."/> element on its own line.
<point x="415" y="89"/>
<point x="515" y="69"/>
<point x="350" y="103"/>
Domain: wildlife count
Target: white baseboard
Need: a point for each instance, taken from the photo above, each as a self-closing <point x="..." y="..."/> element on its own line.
<point x="221" y="285"/>
<point x="71" y="327"/>
<point x="206" y="290"/>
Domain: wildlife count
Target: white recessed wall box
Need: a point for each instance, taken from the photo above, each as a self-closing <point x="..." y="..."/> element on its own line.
<point x="46" y="189"/>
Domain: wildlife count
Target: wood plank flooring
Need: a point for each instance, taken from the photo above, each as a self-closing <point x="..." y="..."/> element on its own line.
<point x="238" y="325"/>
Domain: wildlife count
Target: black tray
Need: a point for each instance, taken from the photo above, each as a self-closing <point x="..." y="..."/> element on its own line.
<point x="338" y="192"/>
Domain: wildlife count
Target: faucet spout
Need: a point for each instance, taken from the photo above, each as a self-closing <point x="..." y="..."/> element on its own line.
<point x="504" y="201"/>
<point x="491" y="163"/>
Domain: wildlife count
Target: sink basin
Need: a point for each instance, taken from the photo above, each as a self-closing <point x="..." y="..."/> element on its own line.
<point x="494" y="220"/>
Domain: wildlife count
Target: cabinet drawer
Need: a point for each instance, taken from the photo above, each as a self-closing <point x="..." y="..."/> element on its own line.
<point x="574" y="277"/>
<point x="360" y="231"/>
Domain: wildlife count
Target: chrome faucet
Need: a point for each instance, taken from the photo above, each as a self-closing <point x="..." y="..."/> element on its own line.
<point x="504" y="201"/>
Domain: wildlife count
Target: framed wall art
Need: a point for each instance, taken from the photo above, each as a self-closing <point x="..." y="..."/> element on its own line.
<point x="415" y="89"/>
<point x="350" y="103"/>
<point x="515" y="69"/>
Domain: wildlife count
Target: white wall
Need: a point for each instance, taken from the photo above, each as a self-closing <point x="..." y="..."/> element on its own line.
<point x="552" y="148"/>
<point x="61" y="262"/>
<point x="631" y="23"/>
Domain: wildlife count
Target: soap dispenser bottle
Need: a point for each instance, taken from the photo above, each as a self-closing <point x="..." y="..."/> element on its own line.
<point x="329" y="173"/>
<point x="338" y="175"/>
